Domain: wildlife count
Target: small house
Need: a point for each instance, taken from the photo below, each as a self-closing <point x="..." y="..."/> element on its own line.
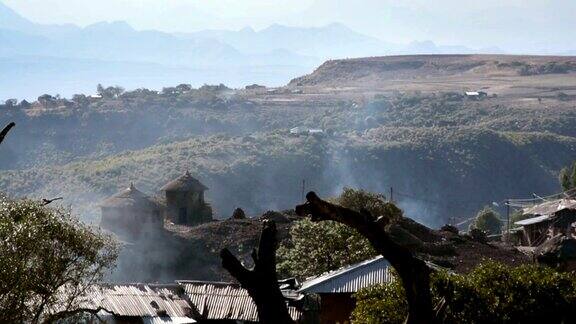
<point x="301" y="130"/>
<point x="223" y="302"/>
<point x="335" y="288"/>
<point x="548" y="219"/>
<point x="185" y="203"/>
<point x="476" y="95"/>
<point x="140" y="303"/>
<point x="130" y="214"/>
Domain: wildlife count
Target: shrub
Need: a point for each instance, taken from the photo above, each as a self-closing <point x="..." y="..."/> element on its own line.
<point x="488" y="221"/>
<point x="491" y="293"/>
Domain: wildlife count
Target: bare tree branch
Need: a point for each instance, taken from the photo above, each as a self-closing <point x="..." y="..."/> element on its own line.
<point x="262" y="281"/>
<point x="413" y="272"/>
<point x="5" y="131"/>
<point x="49" y="201"/>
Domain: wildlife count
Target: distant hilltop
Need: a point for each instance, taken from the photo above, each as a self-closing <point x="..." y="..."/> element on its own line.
<point x="386" y="68"/>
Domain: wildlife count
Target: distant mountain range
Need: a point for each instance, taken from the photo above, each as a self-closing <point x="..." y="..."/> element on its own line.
<point x="66" y="58"/>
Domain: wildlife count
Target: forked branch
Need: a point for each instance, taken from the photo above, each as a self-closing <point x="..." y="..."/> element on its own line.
<point x="413" y="272"/>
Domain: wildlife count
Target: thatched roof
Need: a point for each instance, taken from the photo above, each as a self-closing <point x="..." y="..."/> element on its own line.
<point x="129" y="198"/>
<point x="185" y="182"/>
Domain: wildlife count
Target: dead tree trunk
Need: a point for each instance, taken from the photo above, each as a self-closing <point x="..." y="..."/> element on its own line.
<point x="413" y="272"/>
<point x="261" y="282"/>
<point x="5" y="131"/>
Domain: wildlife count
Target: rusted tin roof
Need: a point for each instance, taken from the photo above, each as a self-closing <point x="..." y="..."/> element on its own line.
<point x="350" y="279"/>
<point x="225" y="301"/>
<point x="185" y="182"/>
<point x="129" y="198"/>
<point x="141" y="300"/>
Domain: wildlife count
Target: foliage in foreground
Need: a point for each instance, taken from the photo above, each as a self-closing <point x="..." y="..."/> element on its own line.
<point x="316" y="248"/>
<point x="47" y="260"/>
<point x="492" y="293"/>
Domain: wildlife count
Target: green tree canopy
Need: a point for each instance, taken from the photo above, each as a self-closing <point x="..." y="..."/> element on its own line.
<point x="488" y="220"/>
<point x="567" y="177"/>
<point x="315" y="248"/>
<point x="491" y="293"/>
<point x="47" y="260"/>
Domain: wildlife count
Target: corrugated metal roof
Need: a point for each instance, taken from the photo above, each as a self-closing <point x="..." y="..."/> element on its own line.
<point x="140" y="300"/>
<point x="350" y="279"/>
<point x="550" y="207"/>
<point x="533" y="220"/>
<point x="222" y="300"/>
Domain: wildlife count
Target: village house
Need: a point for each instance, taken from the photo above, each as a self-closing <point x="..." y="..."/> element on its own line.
<point x="476" y="95"/>
<point x="301" y="130"/>
<point x="131" y="214"/>
<point x="223" y="302"/>
<point x="185" y="203"/>
<point x="186" y="301"/>
<point x="140" y="304"/>
<point x="548" y="219"/>
<point x="335" y="288"/>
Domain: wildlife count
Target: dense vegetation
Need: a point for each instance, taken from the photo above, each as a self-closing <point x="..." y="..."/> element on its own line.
<point x="315" y="248"/>
<point x="444" y="155"/>
<point x="492" y="293"/>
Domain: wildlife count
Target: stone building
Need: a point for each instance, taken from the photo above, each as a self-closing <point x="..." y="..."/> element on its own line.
<point x="130" y="214"/>
<point x="185" y="201"/>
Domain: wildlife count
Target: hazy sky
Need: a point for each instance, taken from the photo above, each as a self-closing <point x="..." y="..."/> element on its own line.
<point x="481" y="23"/>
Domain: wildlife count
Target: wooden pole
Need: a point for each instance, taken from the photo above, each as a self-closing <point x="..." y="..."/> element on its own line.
<point x="508" y="220"/>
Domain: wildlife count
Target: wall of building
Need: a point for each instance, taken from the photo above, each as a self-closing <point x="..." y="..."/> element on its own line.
<point x="130" y="222"/>
<point x="186" y="207"/>
<point x="336" y="308"/>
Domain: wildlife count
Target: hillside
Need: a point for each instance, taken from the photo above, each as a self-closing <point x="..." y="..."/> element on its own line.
<point x="364" y="72"/>
<point x="444" y="154"/>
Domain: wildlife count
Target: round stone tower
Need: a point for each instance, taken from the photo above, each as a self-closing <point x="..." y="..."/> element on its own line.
<point x="185" y="203"/>
<point x="130" y="214"/>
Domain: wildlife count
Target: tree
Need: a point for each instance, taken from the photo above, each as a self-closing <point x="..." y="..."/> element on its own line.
<point x="182" y="88"/>
<point x="46" y="100"/>
<point x="413" y="272"/>
<point x="109" y="92"/>
<point x="573" y="176"/>
<point x="11" y="103"/>
<point x="491" y="293"/>
<point x="261" y="282"/>
<point x="567" y="177"/>
<point x="47" y="261"/>
<point x="488" y="221"/>
<point x="318" y="247"/>
<point x="565" y="181"/>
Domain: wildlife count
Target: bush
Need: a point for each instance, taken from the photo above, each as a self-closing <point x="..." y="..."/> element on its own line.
<point x="491" y="293"/>
<point x="316" y="248"/>
<point x="385" y="303"/>
<point x="488" y="221"/>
